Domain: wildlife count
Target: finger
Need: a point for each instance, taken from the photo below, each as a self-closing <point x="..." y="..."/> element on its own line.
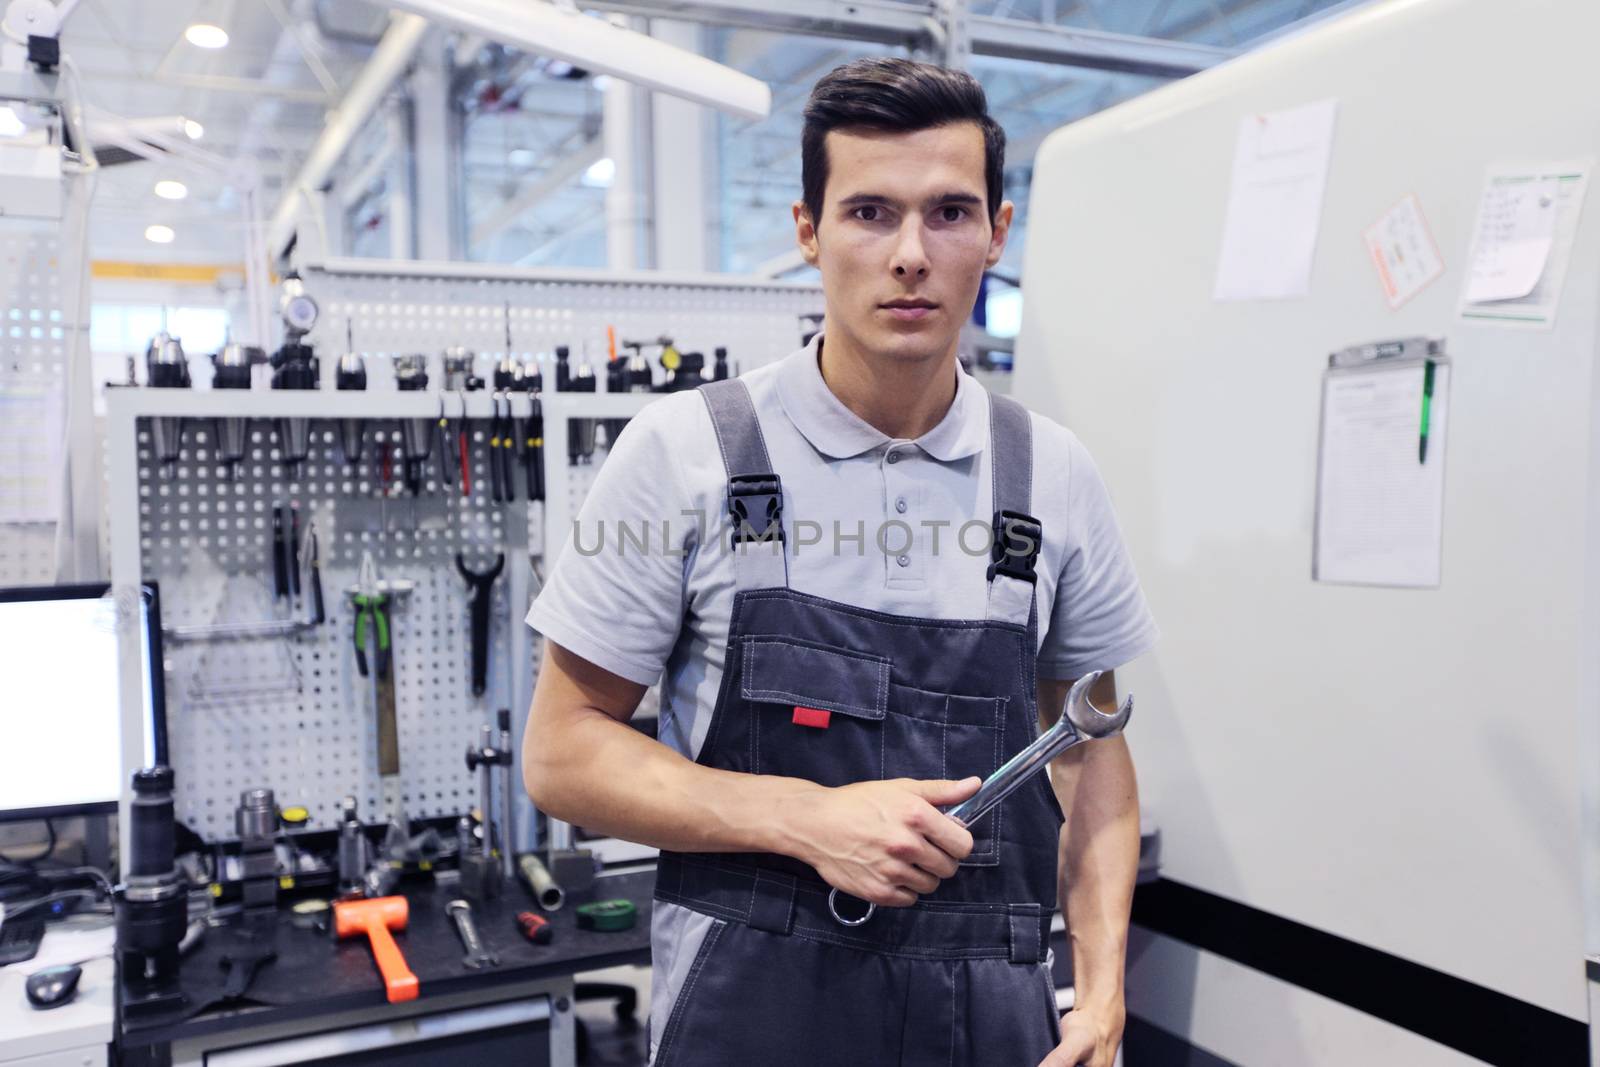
<point x="942" y="792"/>
<point x="947" y="835"/>
<point x="1072" y="1052"/>
<point x="934" y="860"/>
<point x="914" y="878"/>
<point x="889" y="896"/>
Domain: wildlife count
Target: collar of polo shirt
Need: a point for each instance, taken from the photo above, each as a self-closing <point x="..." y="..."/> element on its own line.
<point x="836" y="431"/>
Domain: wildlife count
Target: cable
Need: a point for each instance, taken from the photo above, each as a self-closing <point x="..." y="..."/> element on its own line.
<point x="49" y="848"/>
<point x="49" y="899"/>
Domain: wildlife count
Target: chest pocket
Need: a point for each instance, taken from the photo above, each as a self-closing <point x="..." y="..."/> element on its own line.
<point x="832" y="716"/>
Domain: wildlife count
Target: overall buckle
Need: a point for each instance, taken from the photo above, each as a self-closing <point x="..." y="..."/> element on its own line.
<point x="755" y="504"/>
<point x="1017" y="539"/>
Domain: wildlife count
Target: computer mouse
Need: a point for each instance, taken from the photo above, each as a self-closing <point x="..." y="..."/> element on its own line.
<point x="53" y="986"/>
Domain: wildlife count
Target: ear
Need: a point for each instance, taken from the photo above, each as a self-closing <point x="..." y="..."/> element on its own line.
<point x="805" y="232"/>
<point x="1002" y="229"/>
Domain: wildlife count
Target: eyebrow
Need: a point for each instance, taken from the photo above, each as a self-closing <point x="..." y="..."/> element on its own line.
<point x="860" y="199"/>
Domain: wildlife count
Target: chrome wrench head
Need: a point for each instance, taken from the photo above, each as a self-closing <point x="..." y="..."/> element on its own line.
<point x="1089" y="720"/>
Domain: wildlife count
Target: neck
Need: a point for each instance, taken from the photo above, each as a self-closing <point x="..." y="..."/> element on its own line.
<point x="902" y="398"/>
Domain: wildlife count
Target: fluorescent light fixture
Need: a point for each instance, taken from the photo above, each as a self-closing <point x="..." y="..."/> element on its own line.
<point x="159" y="234"/>
<point x="520" y="157"/>
<point x="10" y="125"/>
<point x="167" y="189"/>
<point x="193" y="129"/>
<point x="206" y="35"/>
<point x="600" y="173"/>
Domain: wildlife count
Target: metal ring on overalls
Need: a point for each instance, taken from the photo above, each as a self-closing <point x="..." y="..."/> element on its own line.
<point x="840" y="919"/>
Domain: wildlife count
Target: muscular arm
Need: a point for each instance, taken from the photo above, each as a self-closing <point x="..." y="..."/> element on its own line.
<point x="1099" y="858"/>
<point x="582" y="763"/>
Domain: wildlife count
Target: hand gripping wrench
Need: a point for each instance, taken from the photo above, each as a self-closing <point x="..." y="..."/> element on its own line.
<point x="477" y="956"/>
<point x="1080" y="721"/>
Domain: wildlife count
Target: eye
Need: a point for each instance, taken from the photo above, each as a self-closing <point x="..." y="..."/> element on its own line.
<point x="952" y="213"/>
<point x="867" y="212"/>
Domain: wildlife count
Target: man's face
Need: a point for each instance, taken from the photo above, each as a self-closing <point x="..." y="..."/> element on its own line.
<point x="904" y="237"/>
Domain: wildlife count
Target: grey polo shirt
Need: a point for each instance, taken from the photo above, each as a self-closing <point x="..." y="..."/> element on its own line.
<point x="646" y="589"/>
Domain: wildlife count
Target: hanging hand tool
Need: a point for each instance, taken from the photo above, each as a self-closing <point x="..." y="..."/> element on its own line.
<point x="311" y="551"/>
<point x="508" y="450"/>
<point x="372" y="617"/>
<point x="481" y="586"/>
<point x="532" y="449"/>
<point x="481" y="875"/>
<point x="464" y="448"/>
<point x="293" y="547"/>
<point x="446" y="458"/>
<point x="497" y="487"/>
<point x="1080" y="721"/>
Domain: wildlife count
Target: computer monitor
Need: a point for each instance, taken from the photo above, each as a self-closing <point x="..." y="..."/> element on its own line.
<point x="60" y="715"/>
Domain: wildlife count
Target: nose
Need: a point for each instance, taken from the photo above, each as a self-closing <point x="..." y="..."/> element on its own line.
<point x="910" y="257"/>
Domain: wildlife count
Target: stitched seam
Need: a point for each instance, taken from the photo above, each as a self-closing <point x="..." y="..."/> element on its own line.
<point x="882" y="617"/>
<point x="681" y="1008"/>
<point x="955" y="978"/>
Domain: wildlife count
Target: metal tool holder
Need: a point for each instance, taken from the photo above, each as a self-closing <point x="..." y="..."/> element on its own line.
<point x="284" y="707"/>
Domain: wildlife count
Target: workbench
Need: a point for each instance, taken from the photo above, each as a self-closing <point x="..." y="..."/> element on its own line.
<point x="322" y="1000"/>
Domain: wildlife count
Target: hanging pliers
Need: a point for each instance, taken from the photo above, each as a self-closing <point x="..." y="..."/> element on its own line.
<point x="371" y="612"/>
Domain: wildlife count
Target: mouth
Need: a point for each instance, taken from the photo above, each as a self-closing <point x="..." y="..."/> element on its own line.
<point x="909" y="309"/>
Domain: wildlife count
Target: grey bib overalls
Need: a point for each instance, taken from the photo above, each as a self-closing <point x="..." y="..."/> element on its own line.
<point x="836" y="694"/>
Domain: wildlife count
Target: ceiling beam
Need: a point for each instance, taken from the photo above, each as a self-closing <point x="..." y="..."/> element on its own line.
<point x="564" y="171"/>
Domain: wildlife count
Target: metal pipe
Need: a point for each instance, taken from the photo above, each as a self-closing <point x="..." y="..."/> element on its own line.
<point x="389" y="61"/>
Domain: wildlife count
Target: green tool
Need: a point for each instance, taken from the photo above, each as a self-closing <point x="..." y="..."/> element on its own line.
<point x="370" y="611"/>
<point x="607" y="916"/>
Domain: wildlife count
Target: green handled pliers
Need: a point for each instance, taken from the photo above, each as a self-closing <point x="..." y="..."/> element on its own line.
<point x="370" y="612"/>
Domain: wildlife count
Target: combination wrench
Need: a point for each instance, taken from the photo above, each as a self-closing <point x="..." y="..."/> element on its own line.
<point x="477" y="956"/>
<point x="1080" y="721"/>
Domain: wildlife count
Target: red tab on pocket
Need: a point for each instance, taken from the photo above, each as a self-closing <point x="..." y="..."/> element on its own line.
<point x="814" y="717"/>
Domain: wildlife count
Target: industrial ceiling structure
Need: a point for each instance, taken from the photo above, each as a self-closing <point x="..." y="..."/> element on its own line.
<point x="529" y="168"/>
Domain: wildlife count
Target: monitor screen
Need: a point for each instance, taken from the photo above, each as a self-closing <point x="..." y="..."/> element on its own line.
<point x="60" y="715"/>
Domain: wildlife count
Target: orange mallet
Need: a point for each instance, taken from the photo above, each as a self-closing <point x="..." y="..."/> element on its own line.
<point x="375" y="918"/>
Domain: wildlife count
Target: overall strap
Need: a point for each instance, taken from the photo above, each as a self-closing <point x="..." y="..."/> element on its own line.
<point x="1017" y="535"/>
<point x="755" y="494"/>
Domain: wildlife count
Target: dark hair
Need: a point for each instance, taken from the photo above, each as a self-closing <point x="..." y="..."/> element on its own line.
<point x="898" y="96"/>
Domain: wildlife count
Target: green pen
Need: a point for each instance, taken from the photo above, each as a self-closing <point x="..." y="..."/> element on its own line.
<point x="1427" y="407"/>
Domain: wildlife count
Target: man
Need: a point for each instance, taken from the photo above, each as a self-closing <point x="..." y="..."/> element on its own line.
<point x="826" y="694"/>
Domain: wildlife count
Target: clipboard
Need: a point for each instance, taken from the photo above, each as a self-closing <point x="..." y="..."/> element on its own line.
<point x="1379" y="515"/>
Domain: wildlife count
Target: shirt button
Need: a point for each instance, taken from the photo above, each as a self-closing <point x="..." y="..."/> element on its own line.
<point x="900" y="505"/>
<point x="904" y="561"/>
<point x="894" y="457"/>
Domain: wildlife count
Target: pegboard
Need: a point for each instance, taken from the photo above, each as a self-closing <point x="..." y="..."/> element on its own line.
<point x="757" y="323"/>
<point x="33" y="379"/>
<point x="291" y="713"/>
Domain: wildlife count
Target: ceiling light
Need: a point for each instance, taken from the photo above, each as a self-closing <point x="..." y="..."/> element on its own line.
<point x="520" y="157"/>
<point x="171" y="190"/>
<point x="600" y="173"/>
<point x="161" y="235"/>
<point x="206" y="35"/>
<point x="194" y="130"/>
<point x="10" y="125"/>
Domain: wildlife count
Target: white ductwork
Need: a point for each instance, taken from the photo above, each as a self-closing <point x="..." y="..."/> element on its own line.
<point x="389" y="61"/>
<point x="596" y="45"/>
